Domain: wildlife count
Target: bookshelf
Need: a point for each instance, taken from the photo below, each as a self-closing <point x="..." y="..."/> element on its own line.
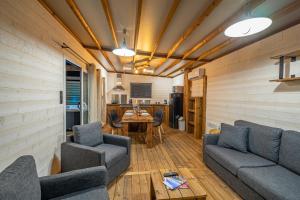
<point x="194" y="116"/>
<point x="194" y="108"/>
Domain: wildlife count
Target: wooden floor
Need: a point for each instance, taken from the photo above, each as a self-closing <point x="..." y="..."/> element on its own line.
<point x="178" y="150"/>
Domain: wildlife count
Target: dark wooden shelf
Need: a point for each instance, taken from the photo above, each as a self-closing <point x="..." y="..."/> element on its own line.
<point x="285" y="79"/>
<point x="288" y="55"/>
<point x="191" y="123"/>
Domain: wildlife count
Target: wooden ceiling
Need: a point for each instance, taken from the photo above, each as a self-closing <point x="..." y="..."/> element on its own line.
<point x="167" y="35"/>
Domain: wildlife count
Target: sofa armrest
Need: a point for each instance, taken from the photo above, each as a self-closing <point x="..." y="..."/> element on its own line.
<point x="73" y="181"/>
<point x="118" y="140"/>
<point x="210" y="139"/>
<point x="75" y="156"/>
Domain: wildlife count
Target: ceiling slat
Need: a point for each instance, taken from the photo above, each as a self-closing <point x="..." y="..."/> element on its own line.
<point x="83" y="22"/>
<point x="137" y="25"/>
<point x="109" y="18"/>
<point x="252" y="4"/>
<point x="112" y="26"/>
<point x="192" y="27"/>
<point x="204" y="55"/>
<point x="51" y="12"/>
<point x="145" y="53"/>
<point x="165" y="26"/>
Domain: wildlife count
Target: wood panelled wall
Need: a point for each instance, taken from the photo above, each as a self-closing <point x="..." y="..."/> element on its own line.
<point x="239" y="87"/>
<point x="31" y="76"/>
<point x="161" y="87"/>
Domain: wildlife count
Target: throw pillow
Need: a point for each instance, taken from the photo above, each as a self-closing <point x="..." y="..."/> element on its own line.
<point x="234" y="137"/>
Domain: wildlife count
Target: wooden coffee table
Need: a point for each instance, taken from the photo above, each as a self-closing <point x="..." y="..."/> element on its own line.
<point x="132" y="186"/>
<point x="160" y="192"/>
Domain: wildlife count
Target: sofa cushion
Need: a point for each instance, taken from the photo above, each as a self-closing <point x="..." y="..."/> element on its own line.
<point x="234" y="137"/>
<point x="20" y="180"/>
<point x="232" y="160"/>
<point x="113" y="153"/>
<point x="99" y="193"/>
<point x="289" y="154"/>
<point x="88" y="134"/>
<point x="273" y="182"/>
<point x="263" y="140"/>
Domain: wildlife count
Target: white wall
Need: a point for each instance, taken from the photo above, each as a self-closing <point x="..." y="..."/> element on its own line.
<point x="161" y="87"/>
<point x="239" y="87"/>
<point x="178" y="80"/>
<point x="32" y="69"/>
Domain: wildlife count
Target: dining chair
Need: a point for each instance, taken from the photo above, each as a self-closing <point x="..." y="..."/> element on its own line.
<point x="158" y="119"/>
<point x="114" y="122"/>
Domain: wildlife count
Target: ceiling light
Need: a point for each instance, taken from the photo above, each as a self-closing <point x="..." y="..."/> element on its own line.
<point x="248" y="27"/>
<point x="136" y="71"/>
<point x="123" y="50"/>
<point x="127" y="68"/>
<point x="148" y="70"/>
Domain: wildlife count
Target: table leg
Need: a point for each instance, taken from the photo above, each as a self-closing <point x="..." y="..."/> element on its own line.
<point x="125" y="129"/>
<point x="149" y="136"/>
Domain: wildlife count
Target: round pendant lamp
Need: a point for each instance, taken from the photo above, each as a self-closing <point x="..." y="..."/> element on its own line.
<point x="123" y="50"/>
<point x="248" y="27"/>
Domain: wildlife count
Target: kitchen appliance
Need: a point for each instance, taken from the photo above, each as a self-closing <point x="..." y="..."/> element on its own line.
<point x="175" y="109"/>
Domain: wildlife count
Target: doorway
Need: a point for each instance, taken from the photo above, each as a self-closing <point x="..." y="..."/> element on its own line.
<point x="73" y="95"/>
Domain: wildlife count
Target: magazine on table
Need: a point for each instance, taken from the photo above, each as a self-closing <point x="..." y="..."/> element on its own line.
<point x="175" y="182"/>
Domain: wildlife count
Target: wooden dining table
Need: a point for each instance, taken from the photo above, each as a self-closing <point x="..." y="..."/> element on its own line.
<point x="144" y="117"/>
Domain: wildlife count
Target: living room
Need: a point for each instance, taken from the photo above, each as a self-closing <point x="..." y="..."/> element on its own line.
<point x="149" y="99"/>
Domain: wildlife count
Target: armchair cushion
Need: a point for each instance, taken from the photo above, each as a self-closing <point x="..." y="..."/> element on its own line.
<point x="20" y="181"/>
<point x="74" y="181"/>
<point x="113" y="153"/>
<point x="118" y="140"/>
<point x="88" y="134"/>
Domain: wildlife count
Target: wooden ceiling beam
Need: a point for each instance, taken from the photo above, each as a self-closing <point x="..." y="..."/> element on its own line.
<point x="109" y="18"/>
<point x="252" y="4"/>
<point x="137" y="26"/>
<point x="165" y="26"/>
<point x="215" y="49"/>
<point x="181" y="68"/>
<point x="145" y="53"/>
<point x="193" y="26"/>
<point x="112" y="26"/>
<point x="220" y="29"/>
<point x="52" y="13"/>
<point x="85" y="25"/>
<point x="203" y="55"/>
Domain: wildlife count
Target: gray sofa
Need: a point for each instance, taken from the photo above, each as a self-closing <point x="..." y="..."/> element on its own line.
<point x="89" y="147"/>
<point x="20" y="181"/>
<point x="269" y="169"/>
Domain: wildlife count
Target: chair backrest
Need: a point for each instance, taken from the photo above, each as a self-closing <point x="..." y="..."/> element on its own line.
<point x="159" y="115"/>
<point x="112" y="117"/>
<point x="20" y="180"/>
<point x="88" y="134"/>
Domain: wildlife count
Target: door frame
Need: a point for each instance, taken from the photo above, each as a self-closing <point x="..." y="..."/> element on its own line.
<point x="65" y="60"/>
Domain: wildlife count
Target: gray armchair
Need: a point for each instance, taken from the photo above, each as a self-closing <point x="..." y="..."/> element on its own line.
<point x="90" y="147"/>
<point x="20" y="181"/>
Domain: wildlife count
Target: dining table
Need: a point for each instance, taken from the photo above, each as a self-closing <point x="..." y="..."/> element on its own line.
<point x="130" y="116"/>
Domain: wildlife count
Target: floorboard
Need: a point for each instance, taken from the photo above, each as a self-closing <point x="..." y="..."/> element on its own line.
<point x="179" y="149"/>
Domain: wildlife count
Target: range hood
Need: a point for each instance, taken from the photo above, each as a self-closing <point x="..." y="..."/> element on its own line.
<point x="119" y="86"/>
